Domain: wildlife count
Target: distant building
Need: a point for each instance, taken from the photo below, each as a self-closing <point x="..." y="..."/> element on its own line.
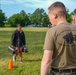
<point x="74" y="19"/>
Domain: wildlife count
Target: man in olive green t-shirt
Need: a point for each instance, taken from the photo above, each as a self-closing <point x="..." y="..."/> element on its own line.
<point x="60" y="44"/>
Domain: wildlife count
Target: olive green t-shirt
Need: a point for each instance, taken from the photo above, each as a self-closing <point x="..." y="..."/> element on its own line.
<point x="61" y="39"/>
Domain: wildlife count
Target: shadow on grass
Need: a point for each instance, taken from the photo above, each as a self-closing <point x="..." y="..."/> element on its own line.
<point x="33" y="60"/>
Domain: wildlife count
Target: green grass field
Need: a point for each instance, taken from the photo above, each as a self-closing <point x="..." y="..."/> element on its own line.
<point x="31" y="60"/>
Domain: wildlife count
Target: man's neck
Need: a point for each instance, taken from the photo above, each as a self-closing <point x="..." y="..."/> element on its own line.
<point x="63" y="20"/>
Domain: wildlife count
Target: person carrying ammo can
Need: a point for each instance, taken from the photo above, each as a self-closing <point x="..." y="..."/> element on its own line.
<point x="18" y="41"/>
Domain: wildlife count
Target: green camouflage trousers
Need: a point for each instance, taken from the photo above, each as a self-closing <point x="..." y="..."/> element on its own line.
<point x="53" y="73"/>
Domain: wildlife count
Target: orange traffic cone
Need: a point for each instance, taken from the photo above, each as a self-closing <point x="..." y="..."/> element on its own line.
<point x="10" y="66"/>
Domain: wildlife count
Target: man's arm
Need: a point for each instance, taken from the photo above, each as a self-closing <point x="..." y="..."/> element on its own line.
<point x="46" y="62"/>
<point x="12" y="39"/>
<point x="24" y="39"/>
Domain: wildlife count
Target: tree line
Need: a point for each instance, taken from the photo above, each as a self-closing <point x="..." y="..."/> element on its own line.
<point x="39" y="17"/>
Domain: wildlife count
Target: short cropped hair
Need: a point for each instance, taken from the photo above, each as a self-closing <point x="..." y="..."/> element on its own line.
<point x="59" y="7"/>
<point x="19" y="25"/>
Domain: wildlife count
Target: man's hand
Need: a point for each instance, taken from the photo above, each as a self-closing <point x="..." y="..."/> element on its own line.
<point x="12" y="45"/>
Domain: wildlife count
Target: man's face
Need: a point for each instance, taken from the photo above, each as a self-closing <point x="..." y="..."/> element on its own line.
<point x="51" y="16"/>
<point x="19" y="28"/>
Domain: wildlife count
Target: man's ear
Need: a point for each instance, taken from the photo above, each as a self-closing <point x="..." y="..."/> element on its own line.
<point x="55" y="15"/>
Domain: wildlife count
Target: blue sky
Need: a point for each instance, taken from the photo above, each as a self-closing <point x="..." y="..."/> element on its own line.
<point x="11" y="7"/>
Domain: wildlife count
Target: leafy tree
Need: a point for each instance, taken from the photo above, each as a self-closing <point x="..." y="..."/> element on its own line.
<point x="25" y="20"/>
<point x="39" y="17"/>
<point x="30" y="16"/>
<point x="74" y="12"/>
<point x="68" y="16"/>
<point x="2" y="18"/>
<point x="45" y="20"/>
<point x="19" y="18"/>
<point x="38" y="14"/>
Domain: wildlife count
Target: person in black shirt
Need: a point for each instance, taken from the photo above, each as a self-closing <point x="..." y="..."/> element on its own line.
<point x="18" y="41"/>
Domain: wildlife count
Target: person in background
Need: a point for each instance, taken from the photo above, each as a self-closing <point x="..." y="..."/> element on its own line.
<point x="60" y="44"/>
<point x="18" y="41"/>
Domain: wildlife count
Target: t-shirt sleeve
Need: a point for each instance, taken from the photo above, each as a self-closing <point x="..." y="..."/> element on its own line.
<point x="49" y="41"/>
